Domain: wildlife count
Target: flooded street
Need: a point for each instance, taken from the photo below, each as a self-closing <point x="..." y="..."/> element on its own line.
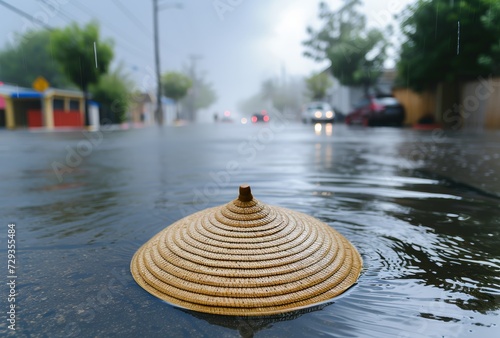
<point x="423" y="210"/>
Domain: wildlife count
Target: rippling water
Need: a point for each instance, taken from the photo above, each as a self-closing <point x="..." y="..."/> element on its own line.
<point x="430" y="244"/>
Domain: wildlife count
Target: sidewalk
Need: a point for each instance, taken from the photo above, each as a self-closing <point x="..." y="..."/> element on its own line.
<point x="472" y="159"/>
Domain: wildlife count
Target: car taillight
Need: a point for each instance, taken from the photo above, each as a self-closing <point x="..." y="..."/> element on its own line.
<point x="254" y="119"/>
<point x="266" y="118"/>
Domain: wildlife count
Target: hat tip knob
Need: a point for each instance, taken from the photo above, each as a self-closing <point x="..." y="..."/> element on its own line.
<point x="245" y="193"/>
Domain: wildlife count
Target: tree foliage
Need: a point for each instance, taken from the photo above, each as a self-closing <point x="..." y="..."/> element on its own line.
<point x="490" y="21"/>
<point x="73" y="48"/>
<point x="29" y="57"/>
<point x="204" y="94"/>
<point x="317" y="85"/>
<point x="252" y="104"/>
<point x="449" y="41"/>
<point x="276" y="94"/>
<point x="82" y="55"/>
<point x="356" y="54"/>
<point x="113" y="93"/>
<point x="285" y="96"/>
<point x="175" y="85"/>
<point x="201" y="95"/>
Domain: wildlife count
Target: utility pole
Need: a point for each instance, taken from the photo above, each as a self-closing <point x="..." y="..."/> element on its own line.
<point x="194" y="58"/>
<point x="159" y="108"/>
<point x="156" y="9"/>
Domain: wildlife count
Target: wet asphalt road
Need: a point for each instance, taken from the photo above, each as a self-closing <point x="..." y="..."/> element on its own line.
<point x="422" y="207"/>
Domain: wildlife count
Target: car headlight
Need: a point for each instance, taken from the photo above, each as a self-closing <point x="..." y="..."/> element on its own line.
<point x="318" y="114"/>
<point x="329" y="114"/>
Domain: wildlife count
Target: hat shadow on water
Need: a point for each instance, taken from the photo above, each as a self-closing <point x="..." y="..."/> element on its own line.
<point x="249" y="326"/>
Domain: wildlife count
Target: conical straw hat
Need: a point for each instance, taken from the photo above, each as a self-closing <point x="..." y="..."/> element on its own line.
<point x="246" y="258"/>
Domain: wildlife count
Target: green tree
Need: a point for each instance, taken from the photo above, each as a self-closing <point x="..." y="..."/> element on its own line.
<point x="356" y="54"/>
<point x="449" y="41"/>
<point x="29" y="57"/>
<point x="317" y="84"/>
<point x="491" y="58"/>
<point x="252" y="104"/>
<point x="82" y="55"/>
<point x="113" y="93"/>
<point x="286" y="96"/>
<point x="206" y="95"/>
<point x="175" y="85"/>
<point x="276" y="95"/>
<point x="201" y="95"/>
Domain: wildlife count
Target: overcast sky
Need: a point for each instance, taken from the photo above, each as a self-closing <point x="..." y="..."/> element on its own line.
<point x="238" y="43"/>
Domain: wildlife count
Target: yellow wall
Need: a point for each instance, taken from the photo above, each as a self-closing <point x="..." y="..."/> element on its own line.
<point x="47" y="109"/>
<point x="492" y="113"/>
<point x="417" y="105"/>
<point x="9" y="113"/>
<point x="479" y="103"/>
<point x="49" y="106"/>
<point x="48" y="113"/>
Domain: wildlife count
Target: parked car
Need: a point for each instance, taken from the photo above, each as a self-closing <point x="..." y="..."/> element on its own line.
<point x="260" y="117"/>
<point x="382" y="111"/>
<point x="318" y="112"/>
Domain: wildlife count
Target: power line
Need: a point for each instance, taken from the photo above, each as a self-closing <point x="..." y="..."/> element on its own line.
<point x="159" y="109"/>
<point x="57" y="10"/>
<point x="92" y="14"/>
<point x="26" y="15"/>
<point x="118" y="32"/>
<point x="131" y="50"/>
<point x="73" y="19"/>
<point x="132" y="17"/>
<point x="137" y="52"/>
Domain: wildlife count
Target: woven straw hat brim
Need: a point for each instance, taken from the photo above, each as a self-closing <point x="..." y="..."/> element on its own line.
<point x="246" y="258"/>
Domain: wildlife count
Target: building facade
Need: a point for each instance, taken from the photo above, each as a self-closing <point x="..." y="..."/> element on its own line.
<point x="26" y="108"/>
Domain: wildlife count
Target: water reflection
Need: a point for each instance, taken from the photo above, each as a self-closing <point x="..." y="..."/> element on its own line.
<point x="408" y="240"/>
<point x="323" y="155"/>
<point x="317" y="128"/>
<point x="326" y="128"/>
<point x="462" y="258"/>
<point x="247" y="327"/>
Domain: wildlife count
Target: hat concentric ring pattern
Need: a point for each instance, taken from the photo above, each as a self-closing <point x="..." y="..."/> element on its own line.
<point x="246" y="258"/>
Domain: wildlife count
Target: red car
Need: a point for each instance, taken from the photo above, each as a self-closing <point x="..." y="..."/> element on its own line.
<point x="260" y="117"/>
<point x="383" y="111"/>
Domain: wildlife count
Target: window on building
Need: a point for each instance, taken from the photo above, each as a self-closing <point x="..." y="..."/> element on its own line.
<point x="58" y="104"/>
<point x="74" y="105"/>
